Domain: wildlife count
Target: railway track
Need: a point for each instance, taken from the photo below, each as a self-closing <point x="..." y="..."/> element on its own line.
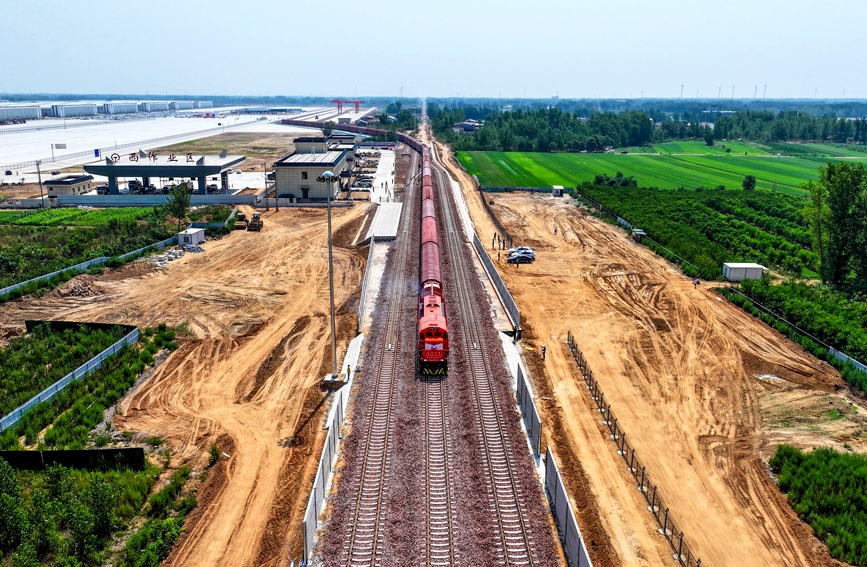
<point x="439" y="498"/>
<point x="509" y="519"/>
<point x="364" y="536"/>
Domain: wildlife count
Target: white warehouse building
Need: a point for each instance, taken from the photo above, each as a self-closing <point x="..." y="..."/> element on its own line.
<point x="74" y="109"/>
<point x="204" y="104"/>
<point x="181" y="104"/>
<point x="153" y="106"/>
<point x="15" y="112"/>
<point x="119" y="108"/>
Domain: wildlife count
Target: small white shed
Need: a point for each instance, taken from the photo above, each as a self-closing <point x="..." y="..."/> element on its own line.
<point x="191" y="236"/>
<point x="557" y="190"/>
<point x="735" y="272"/>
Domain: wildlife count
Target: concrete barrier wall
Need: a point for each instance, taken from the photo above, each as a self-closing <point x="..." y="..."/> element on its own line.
<point x="85" y="369"/>
<point x="511" y="307"/>
<point x="528" y="409"/>
<point x="362" y="302"/>
<point x="564" y="516"/>
<point x="323" y="474"/>
<point x="149" y="200"/>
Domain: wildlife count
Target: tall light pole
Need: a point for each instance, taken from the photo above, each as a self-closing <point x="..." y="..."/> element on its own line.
<point x="329" y="178"/>
<point x="39" y="174"/>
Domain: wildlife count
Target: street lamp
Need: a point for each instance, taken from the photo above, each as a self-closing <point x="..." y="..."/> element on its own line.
<point x="329" y="178"/>
<point x="39" y="174"/>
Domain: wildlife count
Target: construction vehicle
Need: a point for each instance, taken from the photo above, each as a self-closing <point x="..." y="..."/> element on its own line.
<point x="255" y="223"/>
<point x="241" y="221"/>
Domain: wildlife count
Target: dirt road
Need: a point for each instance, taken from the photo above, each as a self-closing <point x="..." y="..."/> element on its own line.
<point x="703" y="390"/>
<point x="257" y="304"/>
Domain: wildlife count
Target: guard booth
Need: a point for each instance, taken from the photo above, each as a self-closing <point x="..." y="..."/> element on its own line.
<point x="191" y="236"/>
<point x="557" y="190"/>
<point x="736" y="271"/>
<point x="638" y="235"/>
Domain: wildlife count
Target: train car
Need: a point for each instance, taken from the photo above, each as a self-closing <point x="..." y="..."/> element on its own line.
<point x="433" y="332"/>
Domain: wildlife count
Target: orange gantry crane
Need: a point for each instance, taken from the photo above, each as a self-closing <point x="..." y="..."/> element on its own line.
<point x="340" y="102"/>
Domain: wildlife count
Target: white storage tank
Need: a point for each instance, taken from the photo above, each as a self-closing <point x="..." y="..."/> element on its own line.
<point x="191" y="236"/>
<point x="736" y="271"/>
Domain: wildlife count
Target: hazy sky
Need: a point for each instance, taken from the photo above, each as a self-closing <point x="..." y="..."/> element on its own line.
<point x="579" y="48"/>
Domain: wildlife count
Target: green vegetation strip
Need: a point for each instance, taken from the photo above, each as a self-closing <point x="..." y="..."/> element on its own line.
<point x="68" y="419"/>
<point x="52" y="240"/>
<point x="32" y="362"/>
<point x="529" y="169"/>
<point x="826" y="490"/>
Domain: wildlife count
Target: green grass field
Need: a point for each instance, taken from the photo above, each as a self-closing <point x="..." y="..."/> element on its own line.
<point x="528" y="169"/>
<point x="698" y="147"/>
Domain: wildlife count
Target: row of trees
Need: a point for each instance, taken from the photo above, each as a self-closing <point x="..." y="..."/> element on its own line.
<point x="790" y="125"/>
<point x="545" y="130"/>
<point x="838" y="220"/>
<point x="826" y="490"/>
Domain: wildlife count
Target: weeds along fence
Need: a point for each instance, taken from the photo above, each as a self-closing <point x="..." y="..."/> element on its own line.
<point x="362" y="301"/>
<point x="682" y="553"/>
<point x="499" y="285"/>
<point x="88" y="459"/>
<point x="82" y="371"/>
<point x="8" y="290"/>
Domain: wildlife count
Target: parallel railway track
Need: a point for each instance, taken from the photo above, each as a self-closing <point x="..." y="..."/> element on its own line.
<point x="509" y="519"/>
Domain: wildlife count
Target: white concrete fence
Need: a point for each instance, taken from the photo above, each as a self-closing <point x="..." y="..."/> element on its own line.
<point x="561" y="507"/>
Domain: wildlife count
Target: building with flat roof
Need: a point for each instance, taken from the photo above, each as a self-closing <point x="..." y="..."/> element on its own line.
<point x="167" y="165"/>
<point x="153" y="106"/>
<point x="74" y="184"/>
<point x="737" y="271"/>
<point x="75" y="109"/>
<point x="296" y="174"/>
<point x="203" y="104"/>
<point x="119" y="108"/>
<point x="20" y="112"/>
<point x="311" y="145"/>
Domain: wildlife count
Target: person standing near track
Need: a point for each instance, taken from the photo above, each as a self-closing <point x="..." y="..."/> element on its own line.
<point x="544" y="350"/>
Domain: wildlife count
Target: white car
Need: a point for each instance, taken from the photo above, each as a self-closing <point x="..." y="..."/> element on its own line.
<point x="522" y="249"/>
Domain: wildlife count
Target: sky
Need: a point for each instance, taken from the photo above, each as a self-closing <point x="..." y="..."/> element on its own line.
<point x="467" y="48"/>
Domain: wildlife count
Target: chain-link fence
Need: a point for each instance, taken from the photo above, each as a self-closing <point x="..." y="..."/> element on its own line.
<point x="682" y="553"/>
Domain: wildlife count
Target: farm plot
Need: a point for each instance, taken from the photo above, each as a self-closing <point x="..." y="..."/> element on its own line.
<point x="527" y="169"/>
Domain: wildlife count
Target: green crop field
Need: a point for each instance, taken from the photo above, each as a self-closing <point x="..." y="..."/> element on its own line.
<point x="698" y="147"/>
<point x="527" y="169"/>
<point x="74" y="217"/>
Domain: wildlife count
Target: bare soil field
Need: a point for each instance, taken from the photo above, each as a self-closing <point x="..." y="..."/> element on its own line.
<point x="258" y="147"/>
<point x="26" y="191"/>
<point x="703" y="390"/>
<point x="248" y="377"/>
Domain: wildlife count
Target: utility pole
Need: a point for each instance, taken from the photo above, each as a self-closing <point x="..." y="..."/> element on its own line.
<point x="755" y="91"/>
<point x="39" y="174"/>
<point x="719" y="92"/>
<point x="765" y="91"/>
<point x="733" y="92"/>
<point x="681" y="90"/>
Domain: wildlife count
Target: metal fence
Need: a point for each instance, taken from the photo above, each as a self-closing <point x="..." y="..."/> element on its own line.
<point x="323" y="473"/>
<point x="150" y="200"/>
<point x="528" y="410"/>
<point x="48" y="393"/>
<point x="499" y="285"/>
<point x="363" y="300"/>
<point x="141" y="144"/>
<point x="85" y="265"/>
<point x="655" y="504"/>
<point x="564" y="516"/>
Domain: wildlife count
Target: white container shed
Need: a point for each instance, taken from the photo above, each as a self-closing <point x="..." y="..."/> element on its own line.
<point x="735" y="272"/>
<point x="557" y="190"/>
<point x="191" y="236"/>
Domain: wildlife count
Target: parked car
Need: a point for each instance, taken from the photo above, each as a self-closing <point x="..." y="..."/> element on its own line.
<point x="8" y="172"/>
<point x="521" y="249"/>
<point x="520" y="259"/>
<point x="531" y="255"/>
<point x="55" y="172"/>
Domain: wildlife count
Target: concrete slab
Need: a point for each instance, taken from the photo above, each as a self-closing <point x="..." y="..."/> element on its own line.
<point x="383" y="180"/>
<point x="385" y="222"/>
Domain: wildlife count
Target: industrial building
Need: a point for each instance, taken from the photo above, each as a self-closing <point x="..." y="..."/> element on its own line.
<point x="296" y="174"/>
<point x="140" y="165"/>
<point x="76" y="184"/>
<point x="191" y="236"/>
<point x="203" y="104"/>
<point x="181" y="104"/>
<point x="153" y="106"/>
<point x="67" y="110"/>
<point x="118" y="108"/>
<point x="20" y="112"/>
<point x="735" y="272"/>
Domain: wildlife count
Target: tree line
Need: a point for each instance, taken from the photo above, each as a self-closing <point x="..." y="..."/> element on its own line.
<point x="764" y="126"/>
<point x="543" y="130"/>
<point x="838" y="220"/>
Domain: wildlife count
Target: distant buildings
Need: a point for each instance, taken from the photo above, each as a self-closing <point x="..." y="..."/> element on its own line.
<point x="467" y="126"/>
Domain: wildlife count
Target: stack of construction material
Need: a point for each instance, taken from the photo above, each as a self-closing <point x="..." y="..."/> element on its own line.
<point x="193" y="248"/>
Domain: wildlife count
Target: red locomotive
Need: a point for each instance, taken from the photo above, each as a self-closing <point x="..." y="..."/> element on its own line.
<point x="433" y="328"/>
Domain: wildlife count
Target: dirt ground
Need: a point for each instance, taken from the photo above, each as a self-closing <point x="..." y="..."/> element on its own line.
<point x="248" y="378"/>
<point x="26" y="191"/>
<point x="258" y="147"/>
<point x="704" y="391"/>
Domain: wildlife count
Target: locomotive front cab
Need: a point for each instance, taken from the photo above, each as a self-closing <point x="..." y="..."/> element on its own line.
<point x="433" y="335"/>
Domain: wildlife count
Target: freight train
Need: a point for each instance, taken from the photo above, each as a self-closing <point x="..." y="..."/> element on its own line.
<point x="433" y="329"/>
